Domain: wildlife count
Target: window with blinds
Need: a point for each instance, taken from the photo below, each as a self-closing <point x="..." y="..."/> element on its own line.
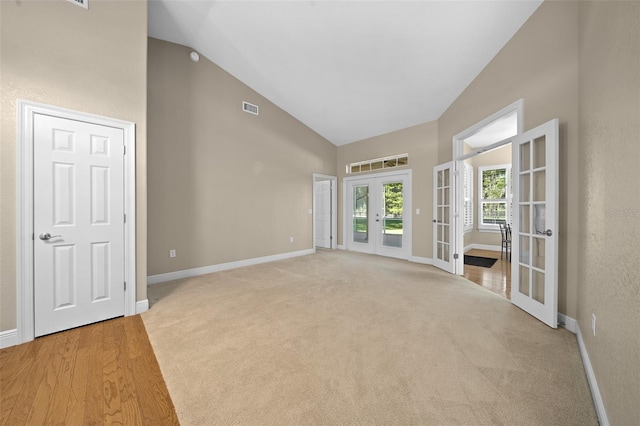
<point x="468" y="197"/>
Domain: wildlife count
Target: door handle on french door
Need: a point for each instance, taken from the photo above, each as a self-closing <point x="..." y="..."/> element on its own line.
<point x="548" y="232"/>
<point x="47" y="236"/>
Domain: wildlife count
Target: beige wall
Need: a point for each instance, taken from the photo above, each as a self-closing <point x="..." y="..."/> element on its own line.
<point x="540" y="65"/>
<point x="56" y="53"/>
<point x="609" y="190"/>
<point x="495" y="157"/>
<point x="420" y="142"/>
<point x="224" y="185"/>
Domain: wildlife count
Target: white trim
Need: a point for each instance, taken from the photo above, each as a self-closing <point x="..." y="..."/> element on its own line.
<point x="334" y="208"/>
<point x="421" y="260"/>
<point x="568" y="323"/>
<point x="481" y="247"/>
<point x="8" y="338"/>
<point x="342" y="247"/>
<point x="187" y="273"/>
<point x="24" y="139"/>
<point x="591" y="378"/>
<point x="142" y="306"/>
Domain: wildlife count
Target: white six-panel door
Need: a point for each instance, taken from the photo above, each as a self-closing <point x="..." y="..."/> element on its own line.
<point x="78" y="223"/>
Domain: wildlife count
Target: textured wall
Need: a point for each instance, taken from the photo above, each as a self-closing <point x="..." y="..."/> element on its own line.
<point x="610" y="201"/>
<point x="420" y="142"/>
<point x="539" y="65"/>
<point x="56" y="53"/>
<point x="224" y="185"/>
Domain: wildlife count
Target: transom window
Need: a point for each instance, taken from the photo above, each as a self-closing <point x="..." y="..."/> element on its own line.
<point x="494" y="198"/>
<point x="378" y="163"/>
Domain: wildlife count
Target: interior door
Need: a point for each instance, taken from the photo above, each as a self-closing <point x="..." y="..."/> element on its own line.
<point x="376" y="220"/>
<point x="78" y="223"/>
<point x="323" y="209"/>
<point x="443" y="184"/>
<point x="534" y="266"/>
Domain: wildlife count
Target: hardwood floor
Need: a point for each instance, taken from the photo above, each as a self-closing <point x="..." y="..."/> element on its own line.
<point x="497" y="278"/>
<point x="104" y="373"/>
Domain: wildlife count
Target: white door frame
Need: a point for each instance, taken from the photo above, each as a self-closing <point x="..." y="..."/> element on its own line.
<point x="334" y="209"/>
<point x="458" y="163"/>
<point x="25" y="320"/>
<point x="408" y="219"/>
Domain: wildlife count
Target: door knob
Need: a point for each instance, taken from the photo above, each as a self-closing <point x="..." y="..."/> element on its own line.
<point x="548" y="232"/>
<point x="47" y="236"/>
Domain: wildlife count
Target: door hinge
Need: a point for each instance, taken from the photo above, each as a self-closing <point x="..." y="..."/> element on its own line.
<point x="455" y="255"/>
<point x="125" y="286"/>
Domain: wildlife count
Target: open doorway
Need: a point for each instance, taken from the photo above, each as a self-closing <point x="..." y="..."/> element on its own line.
<point x="483" y="159"/>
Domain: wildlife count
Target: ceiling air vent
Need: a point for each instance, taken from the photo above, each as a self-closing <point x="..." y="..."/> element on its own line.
<point x="81" y="3"/>
<point x="250" y="108"/>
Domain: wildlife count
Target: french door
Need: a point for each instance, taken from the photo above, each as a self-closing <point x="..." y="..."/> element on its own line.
<point x="534" y="269"/>
<point x="375" y="217"/>
<point x="443" y="223"/>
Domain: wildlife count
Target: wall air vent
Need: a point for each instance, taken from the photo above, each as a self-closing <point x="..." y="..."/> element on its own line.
<point x="81" y="3"/>
<point x="250" y="108"/>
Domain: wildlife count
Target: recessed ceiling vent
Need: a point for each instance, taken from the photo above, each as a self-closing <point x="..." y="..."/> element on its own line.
<point x="81" y="3"/>
<point x="250" y="108"/>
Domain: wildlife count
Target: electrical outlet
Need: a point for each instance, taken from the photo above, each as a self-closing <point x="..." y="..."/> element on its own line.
<point x="290" y="239"/>
<point x="593" y="323"/>
<point x="417" y="211"/>
<point x="172" y="253"/>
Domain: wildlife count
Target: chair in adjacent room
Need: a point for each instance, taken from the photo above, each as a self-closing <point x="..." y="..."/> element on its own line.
<point x="505" y="231"/>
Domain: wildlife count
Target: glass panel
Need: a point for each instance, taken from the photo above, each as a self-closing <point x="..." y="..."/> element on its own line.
<point x="445" y="233"/>
<point x="524" y="250"/>
<point x="538" y="286"/>
<point x="365" y="167"/>
<point x="538" y="252"/>
<point x="494" y="184"/>
<point x="440" y="214"/>
<point x="390" y="163"/>
<point x="525" y="156"/>
<point x="493" y="213"/>
<point x="440" y="180"/>
<point x="523" y="285"/>
<point x="445" y="215"/>
<point x="392" y="223"/>
<point x="440" y="251"/>
<point x="539" y="179"/>
<point x="440" y="196"/>
<point x="539" y="149"/>
<point x="539" y="218"/>
<point x="355" y="169"/>
<point x="403" y="161"/>
<point x="361" y="214"/>
<point x="440" y="232"/>
<point x="445" y="180"/>
<point x="525" y="188"/>
<point x="446" y="197"/>
<point x="445" y="250"/>
<point x="525" y="219"/>
<point x="376" y="165"/>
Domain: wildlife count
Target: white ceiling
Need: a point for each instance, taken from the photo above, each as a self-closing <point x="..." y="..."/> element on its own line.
<point x="349" y="70"/>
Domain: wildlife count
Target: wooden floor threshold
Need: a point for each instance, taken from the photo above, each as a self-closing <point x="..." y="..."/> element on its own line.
<point x="103" y="373"/>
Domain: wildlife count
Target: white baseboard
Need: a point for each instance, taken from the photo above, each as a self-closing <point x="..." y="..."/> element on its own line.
<point x="177" y="275"/>
<point x="422" y="260"/>
<point x="591" y="378"/>
<point x="481" y="247"/>
<point x="142" y="306"/>
<point x="8" y="338"/>
<point x="568" y="323"/>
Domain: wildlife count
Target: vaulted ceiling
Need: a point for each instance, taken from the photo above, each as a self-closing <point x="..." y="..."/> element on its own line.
<point x="349" y="70"/>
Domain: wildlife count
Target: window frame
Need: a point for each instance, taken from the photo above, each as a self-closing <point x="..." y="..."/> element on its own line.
<point x="468" y="197"/>
<point x="495" y="227"/>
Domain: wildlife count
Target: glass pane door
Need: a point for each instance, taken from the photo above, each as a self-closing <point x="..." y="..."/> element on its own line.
<point x="534" y="269"/>
<point x="360" y="214"/>
<point x="442" y="217"/>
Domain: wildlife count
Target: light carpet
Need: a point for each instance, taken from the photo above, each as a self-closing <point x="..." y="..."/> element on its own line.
<point x="339" y="338"/>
